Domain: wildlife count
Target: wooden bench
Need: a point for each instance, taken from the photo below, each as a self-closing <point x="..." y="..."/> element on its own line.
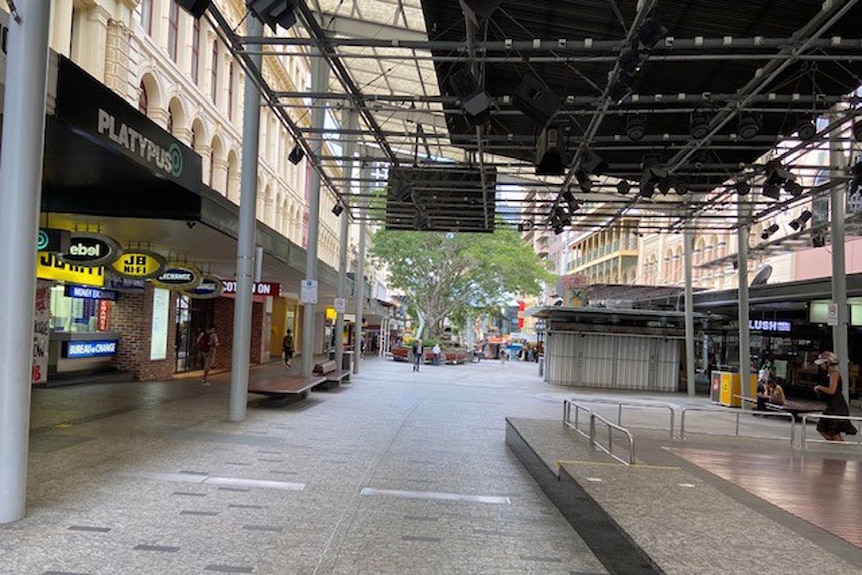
<point x="332" y="375"/>
<point x="797" y="406"/>
<point x="285" y="385"/>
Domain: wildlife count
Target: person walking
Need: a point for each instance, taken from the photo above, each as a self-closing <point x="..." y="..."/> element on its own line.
<point x="831" y="429"/>
<point x="418" y="352"/>
<point x="207" y="344"/>
<point x="435" y="352"/>
<point x="287" y="348"/>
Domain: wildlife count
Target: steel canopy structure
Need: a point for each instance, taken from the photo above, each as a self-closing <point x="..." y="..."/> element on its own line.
<point x="685" y="101"/>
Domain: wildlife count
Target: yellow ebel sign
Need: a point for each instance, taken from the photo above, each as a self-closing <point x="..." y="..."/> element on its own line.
<point x="139" y="264"/>
<point x="50" y="267"/>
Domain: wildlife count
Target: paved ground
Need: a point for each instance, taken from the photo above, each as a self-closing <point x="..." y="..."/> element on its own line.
<point x="396" y="472"/>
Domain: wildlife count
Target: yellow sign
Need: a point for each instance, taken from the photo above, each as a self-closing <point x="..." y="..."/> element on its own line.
<point x="49" y="267"/>
<point x="331" y="313"/>
<point x="139" y="264"/>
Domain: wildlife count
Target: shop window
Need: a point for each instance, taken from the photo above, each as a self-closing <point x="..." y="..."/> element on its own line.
<point x="76" y="315"/>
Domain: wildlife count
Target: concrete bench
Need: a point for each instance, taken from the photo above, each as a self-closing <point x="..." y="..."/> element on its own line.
<point x="330" y="372"/>
<point x="285" y="385"/>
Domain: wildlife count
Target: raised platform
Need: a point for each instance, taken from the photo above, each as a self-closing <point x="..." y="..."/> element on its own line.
<point x="677" y="516"/>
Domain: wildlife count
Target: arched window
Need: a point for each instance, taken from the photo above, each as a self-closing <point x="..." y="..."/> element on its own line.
<point x="143" y="104"/>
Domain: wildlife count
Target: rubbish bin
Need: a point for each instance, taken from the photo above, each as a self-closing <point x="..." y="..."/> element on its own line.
<point x="347" y="361"/>
<point x="541" y="364"/>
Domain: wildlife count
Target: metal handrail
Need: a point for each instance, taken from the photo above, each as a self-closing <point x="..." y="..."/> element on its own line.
<point x="611" y="428"/>
<point x="567" y="415"/>
<point x="808" y="416"/>
<point x="594" y="443"/>
<point x="738" y="413"/>
<point x="621" y="404"/>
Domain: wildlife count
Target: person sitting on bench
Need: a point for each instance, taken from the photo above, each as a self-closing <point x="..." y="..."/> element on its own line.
<point x="772" y="394"/>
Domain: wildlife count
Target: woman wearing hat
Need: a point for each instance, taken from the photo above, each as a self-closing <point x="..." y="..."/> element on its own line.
<point x="831" y="429"/>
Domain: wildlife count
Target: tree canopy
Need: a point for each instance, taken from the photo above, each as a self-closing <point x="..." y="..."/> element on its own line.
<point x="451" y="275"/>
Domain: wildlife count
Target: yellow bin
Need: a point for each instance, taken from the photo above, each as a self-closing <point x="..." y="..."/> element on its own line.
<point x="724" y="388"/>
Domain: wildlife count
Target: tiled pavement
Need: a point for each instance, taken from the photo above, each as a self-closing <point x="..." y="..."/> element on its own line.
<point x="395" y="473"/>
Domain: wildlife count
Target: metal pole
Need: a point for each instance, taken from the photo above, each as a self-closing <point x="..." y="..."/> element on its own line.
<point x="349" y="119"/>
<point x="319" y="83"/>
<point x="688" y="241"/>
<point x="742" y="261"/>
<point x="21" y="174"/>
<point x="245" y="243"/>
<point x="837" y="213"/>
<point x="365" y="174"/>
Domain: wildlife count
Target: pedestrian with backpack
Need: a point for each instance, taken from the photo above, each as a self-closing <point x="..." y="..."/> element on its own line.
<point x="207" y="344"/>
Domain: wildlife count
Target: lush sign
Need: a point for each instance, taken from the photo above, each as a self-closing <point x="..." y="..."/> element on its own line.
<point x="769" y="325"/>
<point x="139" y="264"/>
<point x="95" y="250"/>
<point x="95" y="348"/>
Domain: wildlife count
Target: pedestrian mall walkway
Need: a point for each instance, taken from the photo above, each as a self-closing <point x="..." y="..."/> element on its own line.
<point x="400" y="472"/>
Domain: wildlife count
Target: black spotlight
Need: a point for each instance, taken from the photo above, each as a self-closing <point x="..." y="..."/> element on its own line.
<point x="550" y="152"/>
<point x="195" y="7"/>
<point x="857" y="130"/>
<point x="620" y="89"/>
<point x="525" y="226"/>
<point x="742" y="188"/>
<point x="630" y="61"/>
<point x="805" y="128"/>
<point x="584" y="180"/>
<point x="664" y="185"/>
<point x="651" y="31"/>
<point x="635" y="128"/>
<point x="474" y="101"/>
<point x="799" y="223"/>
<point x="273" y="12"/>
<point x="749" y="126"/>
<point x="594" y="164"/>
<point x="793" y="188"/>
<point x="653" y="175"/>
<point x="337" y="209"/>
<point x="681" y="187"/>
<point x="764" y="235"/>
<point x="570" y="200"/>
<point x="296" y="155"/>
<point x="698" y="125"/>
<point x="623" y="187"/>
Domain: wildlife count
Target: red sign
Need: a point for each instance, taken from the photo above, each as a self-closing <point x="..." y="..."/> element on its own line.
<point x="258" y="288"/>
<point x="102" y="314"/>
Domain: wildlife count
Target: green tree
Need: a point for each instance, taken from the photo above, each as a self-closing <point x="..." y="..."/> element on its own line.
<point x="451" y="275"/>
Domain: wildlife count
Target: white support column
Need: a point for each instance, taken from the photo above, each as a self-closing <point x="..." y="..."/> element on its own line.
<point x="21" y="174"/>
<point x="688" y="248"/>
<point x="837" y="213"/>
<point x="319" y="83"/>
<point x="365" y="176"/>
<point x="744" y="211"/>
<point x="349" y="120"/>
<point x="245" y="243"/>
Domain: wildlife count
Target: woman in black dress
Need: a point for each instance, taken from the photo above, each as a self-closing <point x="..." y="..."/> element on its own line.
<point x="831" y="429"/>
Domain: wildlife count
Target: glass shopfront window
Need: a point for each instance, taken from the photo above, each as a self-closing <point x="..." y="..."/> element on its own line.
<point x="77" y="315"/>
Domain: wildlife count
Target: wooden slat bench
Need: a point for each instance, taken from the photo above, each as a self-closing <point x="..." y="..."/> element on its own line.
<point x="285" y="385"/>
<point x="797" y="406"/>
<point x="332" y="375"/>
